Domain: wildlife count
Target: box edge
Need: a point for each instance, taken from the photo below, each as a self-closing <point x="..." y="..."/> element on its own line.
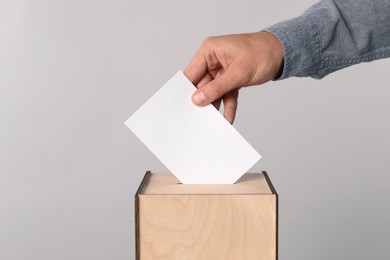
<point x="140" y="189"/>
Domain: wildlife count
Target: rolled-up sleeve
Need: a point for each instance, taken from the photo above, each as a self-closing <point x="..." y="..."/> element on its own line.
<point x="334" y="34"/>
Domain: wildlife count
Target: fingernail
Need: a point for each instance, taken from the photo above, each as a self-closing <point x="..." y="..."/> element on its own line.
<point x="199" y="98"/>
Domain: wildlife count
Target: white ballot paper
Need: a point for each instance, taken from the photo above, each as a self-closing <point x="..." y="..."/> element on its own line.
<point x="197" y="144"/>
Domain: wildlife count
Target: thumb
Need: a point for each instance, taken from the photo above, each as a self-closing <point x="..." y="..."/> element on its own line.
<point x="215" y="89"/>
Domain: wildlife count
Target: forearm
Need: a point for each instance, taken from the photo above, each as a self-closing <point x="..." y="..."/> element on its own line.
<point x="334" y="34"/>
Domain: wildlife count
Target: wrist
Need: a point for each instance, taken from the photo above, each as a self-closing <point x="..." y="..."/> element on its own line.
<point x="272" y="53"/>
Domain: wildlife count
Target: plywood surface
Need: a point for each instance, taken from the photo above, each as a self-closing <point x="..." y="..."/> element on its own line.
<point x="167" y="183"/>
<point x="207" y="227"/>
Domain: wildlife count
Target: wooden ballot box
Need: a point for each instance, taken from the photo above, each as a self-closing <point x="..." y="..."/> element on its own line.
<point x="206" y="222"/>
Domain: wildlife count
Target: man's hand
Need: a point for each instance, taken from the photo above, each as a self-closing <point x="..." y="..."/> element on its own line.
<point x="223" y="64"/>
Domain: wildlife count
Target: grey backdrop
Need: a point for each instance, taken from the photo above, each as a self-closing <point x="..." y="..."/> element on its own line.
<point x="71" y="72"/>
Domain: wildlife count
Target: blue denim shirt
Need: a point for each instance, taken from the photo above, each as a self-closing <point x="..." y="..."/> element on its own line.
<point x="334" y="34"/>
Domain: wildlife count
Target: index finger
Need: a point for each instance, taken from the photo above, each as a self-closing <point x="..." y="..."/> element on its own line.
<point x="197" y="68"/>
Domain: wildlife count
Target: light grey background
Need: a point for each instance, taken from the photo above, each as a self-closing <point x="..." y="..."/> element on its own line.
<point x="71" y="72"/>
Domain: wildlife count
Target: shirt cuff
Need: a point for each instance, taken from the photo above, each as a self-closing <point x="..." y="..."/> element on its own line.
<point x="300" y="39"/>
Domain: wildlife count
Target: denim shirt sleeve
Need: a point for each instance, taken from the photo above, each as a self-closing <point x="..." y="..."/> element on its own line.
<point x="334" y="34"/>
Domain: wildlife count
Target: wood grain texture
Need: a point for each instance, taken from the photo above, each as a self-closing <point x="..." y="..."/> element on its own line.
<point x="207" y="226"/>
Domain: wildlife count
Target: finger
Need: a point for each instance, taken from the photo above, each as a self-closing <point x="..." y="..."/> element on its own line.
<point x="197" y="68"/>
<point x="206" y="79"/>
<point x="230" y="101"/>
<point x="216" y="88"/>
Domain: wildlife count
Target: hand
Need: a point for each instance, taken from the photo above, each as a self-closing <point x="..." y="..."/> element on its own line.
<point x="224" y="64"/>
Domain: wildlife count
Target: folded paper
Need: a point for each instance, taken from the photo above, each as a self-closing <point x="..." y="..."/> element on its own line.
<point x="197" y="144"/>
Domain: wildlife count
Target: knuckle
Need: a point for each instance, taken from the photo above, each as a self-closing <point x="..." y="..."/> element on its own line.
<point x="209" y="40"/>
<point x="215" y="90"/>
<point x="231" y="108"/>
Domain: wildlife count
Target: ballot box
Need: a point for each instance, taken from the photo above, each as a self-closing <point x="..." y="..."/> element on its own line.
<point x="199" y="222"/>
